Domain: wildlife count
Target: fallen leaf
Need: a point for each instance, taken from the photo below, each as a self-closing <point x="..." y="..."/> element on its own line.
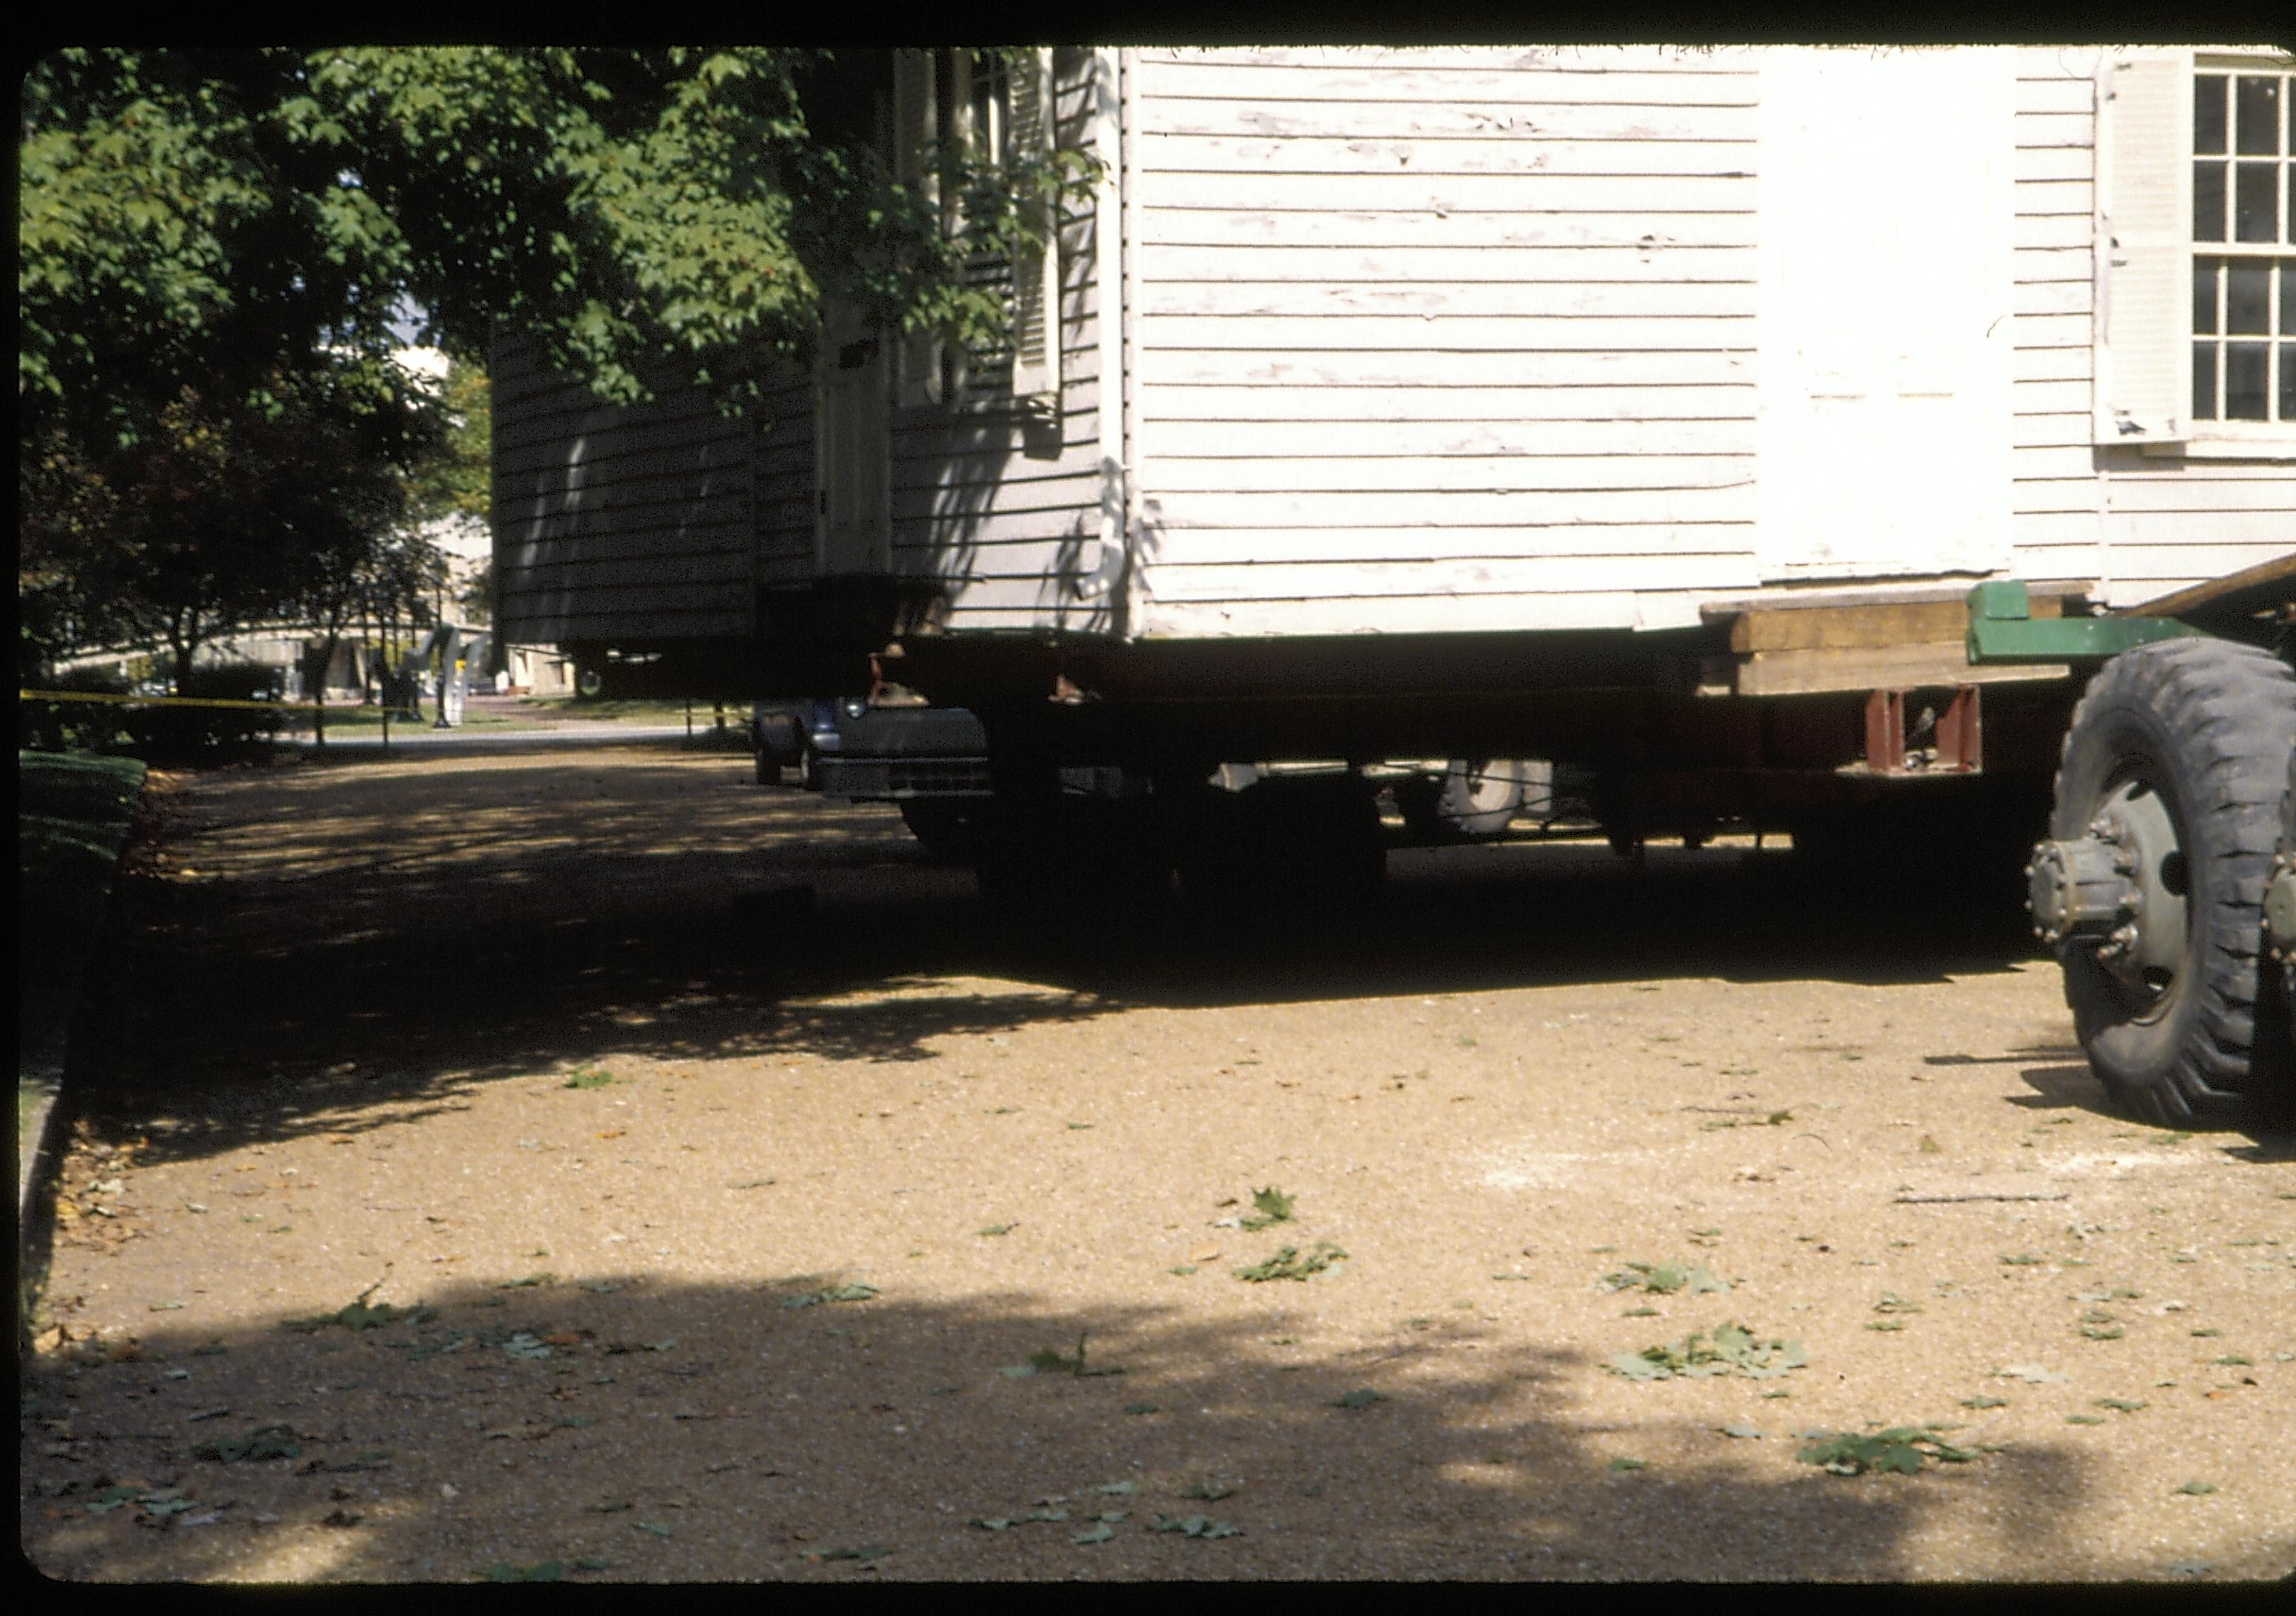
<point x="2032" y="1374"/>
<point x="1291" y="1263"/>
<point x="1362" y="1397"/>
<point x="541" y="1570"/>
<point x="1901" y="1448"/>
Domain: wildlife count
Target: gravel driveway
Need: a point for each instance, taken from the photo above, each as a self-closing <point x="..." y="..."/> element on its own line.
<point x="587" y="1164"/>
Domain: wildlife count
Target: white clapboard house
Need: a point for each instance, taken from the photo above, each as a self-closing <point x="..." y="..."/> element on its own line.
<point x="1431" y="341"/>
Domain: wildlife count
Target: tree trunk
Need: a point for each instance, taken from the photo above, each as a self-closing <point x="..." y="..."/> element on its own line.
<point x="319" y="686"/>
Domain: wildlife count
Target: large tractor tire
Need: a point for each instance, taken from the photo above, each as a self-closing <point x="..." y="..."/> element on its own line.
<point x="2169" y="801"/>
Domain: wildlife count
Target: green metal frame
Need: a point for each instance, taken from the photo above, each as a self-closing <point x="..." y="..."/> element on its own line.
<point x="2002" y="628"/>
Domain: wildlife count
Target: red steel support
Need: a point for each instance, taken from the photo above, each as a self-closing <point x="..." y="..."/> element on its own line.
<point x="1956" y="746"/>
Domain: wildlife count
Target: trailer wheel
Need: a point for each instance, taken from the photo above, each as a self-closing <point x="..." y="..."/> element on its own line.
<point x="1479" y="799"/>
<point x="2151" y="891"/>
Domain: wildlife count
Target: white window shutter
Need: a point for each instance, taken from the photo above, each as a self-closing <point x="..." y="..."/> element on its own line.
<point x="1037" y="276"/>
<point x="2144" y="250"/>
<point x="914" y="120"/>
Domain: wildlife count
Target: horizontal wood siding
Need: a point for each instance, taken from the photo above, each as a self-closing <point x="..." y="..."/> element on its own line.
<point x="1006" y="512"/>
<point x="614" y="523"/>
<point x="784" y="483"/>
<point x="2055" y="529"/>
<point x="1442" y="339"/>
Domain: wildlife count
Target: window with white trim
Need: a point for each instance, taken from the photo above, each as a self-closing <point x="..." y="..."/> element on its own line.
<point x="993" y="113"/>
<point x="2196" y="254"/>
<point x="2244" y="250"/>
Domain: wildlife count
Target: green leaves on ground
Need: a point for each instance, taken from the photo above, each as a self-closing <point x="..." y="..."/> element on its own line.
<point x="1194" y="1526"/>
<point x="589" y="1077"/>
<point x="1733" y="1350"/>
<point x="1272" y="1206"/>
<point x="1361" y="1398"/>
<point x="1662" y="1278"/>
<point x="358" y="1315"/>
<point x="541" y="1570"/>
<point x="1773" y="1120"/>
<point x="158" y="1502"/>
<point x="1291" y="1263"/>
<point x="263" y="1442"/>
<point x="2033" y="1375"/>
<point x="1982" y="1401"/>
<point x="858" y="1290"/>
<point x="2197" y="1489"/>
<point x="1900" y="1448"/>
<point x="1049" y="1361"/>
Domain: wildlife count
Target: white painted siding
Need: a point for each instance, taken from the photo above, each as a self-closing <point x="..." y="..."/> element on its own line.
<point x="1440" y="339"/>
<point x="2057" y="497"/>
<point x="1009" y="515"/>
<point x="616" y="523"/>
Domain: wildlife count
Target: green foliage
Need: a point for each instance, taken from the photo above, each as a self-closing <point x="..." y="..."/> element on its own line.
<point x="541" y="1570"/>
<point x="218" y="250"/>
<point x="1733" y="1350"/>
<point x="359" y="1315"/>
<point x="1901" y="1450"/>
<point x="1194" y="1526"/>
<point x="1291" y="1263"/>
<point x="1662" y="1278"/>
<point x="264" y="1442"/>
<point x="1271" y="1206"/>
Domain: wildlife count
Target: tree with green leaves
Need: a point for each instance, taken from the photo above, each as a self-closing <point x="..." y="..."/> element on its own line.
<point x="235" y="233"/>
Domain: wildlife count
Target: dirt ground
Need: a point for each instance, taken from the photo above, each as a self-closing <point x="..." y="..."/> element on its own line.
<point x="586" y="1164"/>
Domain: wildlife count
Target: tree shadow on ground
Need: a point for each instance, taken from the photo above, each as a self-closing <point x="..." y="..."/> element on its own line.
<point x="311" y="939"/>
<point x="678" y="1433"/>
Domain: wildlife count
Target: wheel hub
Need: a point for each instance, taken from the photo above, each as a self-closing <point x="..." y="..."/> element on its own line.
<point x="2080" y="890"/>
<point x="2280" y="906"/>
<point x="2119" y="890"/>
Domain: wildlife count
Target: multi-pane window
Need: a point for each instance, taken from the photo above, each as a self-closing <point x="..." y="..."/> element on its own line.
<point x="987" y="372"/>
<point x="2244" y="247"/>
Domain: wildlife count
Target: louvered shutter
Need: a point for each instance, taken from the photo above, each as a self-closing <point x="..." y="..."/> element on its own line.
<point x="1036" y="275"/>
<point x="915" y="119"/>
<point x="2144" y="250"/>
